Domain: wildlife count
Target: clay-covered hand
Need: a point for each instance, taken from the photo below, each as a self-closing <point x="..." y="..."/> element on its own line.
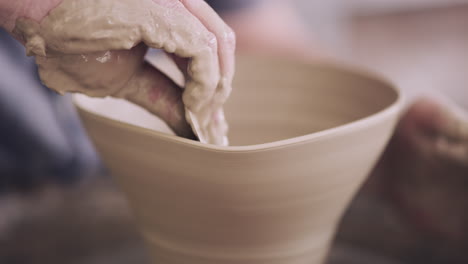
<point x="97" y="47"/>
<point x="424" y="175"/>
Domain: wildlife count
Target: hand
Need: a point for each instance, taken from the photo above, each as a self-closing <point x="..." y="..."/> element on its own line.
<point x="421" y="180"/>
<point x="74" y="52"/>
<point x="426" y="170"/>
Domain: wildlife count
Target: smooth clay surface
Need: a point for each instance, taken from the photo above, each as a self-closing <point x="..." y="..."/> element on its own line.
<point x="306" y="136"/>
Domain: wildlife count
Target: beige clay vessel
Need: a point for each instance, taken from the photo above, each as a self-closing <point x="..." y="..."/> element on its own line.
<point x="304" y="139"/>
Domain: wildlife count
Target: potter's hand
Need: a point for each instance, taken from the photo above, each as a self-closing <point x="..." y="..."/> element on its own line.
<point x="428" y="169"/>
<point x="424" y="173"/>
<point x="92" y="47"/>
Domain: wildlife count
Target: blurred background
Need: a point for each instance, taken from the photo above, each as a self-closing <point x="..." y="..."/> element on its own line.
<point x="421" y="45"/>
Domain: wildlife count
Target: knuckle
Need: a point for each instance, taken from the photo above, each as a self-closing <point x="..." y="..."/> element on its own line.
<point x="171" y="4"/>
<point x="212" y="41"/>
<point x="229" y="38"/>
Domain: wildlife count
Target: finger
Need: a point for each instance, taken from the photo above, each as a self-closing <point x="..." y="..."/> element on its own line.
<point x="182" y="34"/>
<point x="154" y="91"/>
<point x="436" y="130"/>
<point x="438" y="118"/>
<point x="122" y="74"/>
<point x="96" y="74"/>
<point x="225" y="36"/>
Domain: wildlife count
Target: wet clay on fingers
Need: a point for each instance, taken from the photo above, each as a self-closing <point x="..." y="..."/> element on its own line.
<point x="92" y="47"/>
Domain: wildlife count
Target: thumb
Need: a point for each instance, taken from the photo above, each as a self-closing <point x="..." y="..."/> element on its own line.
<point x="158" y="94"/>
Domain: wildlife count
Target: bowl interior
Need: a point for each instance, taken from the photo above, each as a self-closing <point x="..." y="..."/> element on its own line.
<point x="275" y="99"/>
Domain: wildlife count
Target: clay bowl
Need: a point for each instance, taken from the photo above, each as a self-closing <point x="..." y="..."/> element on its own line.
<point x="304" y="137"/>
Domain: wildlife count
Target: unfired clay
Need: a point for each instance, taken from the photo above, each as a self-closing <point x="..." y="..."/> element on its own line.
<point x="74" y="47"/>
<point x="304" y="136"/>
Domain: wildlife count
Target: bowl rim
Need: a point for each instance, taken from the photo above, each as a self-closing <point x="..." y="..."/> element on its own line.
<point x="393" y="108"/>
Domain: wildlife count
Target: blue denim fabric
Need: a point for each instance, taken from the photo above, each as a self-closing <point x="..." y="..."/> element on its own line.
<point x="41" y="138"/>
